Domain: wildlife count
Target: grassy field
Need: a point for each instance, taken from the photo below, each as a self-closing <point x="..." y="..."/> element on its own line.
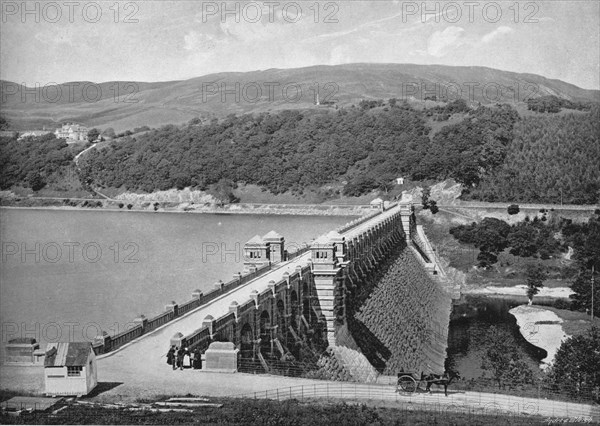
<point x="266" y="412"/>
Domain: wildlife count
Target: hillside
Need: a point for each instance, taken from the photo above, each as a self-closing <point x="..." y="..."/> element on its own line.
<point x="125" y="105"/>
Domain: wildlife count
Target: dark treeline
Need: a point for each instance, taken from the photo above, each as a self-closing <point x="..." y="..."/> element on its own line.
<point x="494" y="153"/>
<point x="551" y="159"/>
<point x="292" y="150"/>
<point x="555" y="104"/>
<point x="34" y="161"/>
<point x="281" y="152"/>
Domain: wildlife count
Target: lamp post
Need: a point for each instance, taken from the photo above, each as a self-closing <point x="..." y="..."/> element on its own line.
<point x="592" y="294"/>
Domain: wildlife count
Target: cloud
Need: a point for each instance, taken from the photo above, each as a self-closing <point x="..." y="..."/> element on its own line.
<point x="196" y="41"/>
<point x="441" y="42"/>
<point x="496" y="33"/>
<point x="341" y="54"/>
<point x="56" y="35"/>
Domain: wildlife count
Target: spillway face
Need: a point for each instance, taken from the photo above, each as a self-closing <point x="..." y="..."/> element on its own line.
<point x="395" y="319"/>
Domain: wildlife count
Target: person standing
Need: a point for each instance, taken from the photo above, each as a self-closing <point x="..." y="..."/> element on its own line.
<point x="180" y="354"/>
<point x="171" y="357"/>
<point x="192" y="356"/>
<point x="198" y="359"/>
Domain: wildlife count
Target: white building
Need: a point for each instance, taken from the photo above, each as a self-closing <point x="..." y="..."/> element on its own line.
<point x="72" y="132"/>
<point x="70" y="368"/>
<point x="34" y="133"/>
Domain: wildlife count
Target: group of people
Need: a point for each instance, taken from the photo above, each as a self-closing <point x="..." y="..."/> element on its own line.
<point x="176" y="357"/>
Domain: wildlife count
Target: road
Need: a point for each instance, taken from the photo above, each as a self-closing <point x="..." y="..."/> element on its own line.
<point x="129" y="385"/>
<point x="522" y="206"/>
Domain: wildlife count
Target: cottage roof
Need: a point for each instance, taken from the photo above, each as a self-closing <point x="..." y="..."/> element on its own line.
<point x="377" y="201"/>
<point x="272" y="235"/>
<point x="322" y="240"/>
<point x="67" y="353"/>
<point x="256" y="240"/>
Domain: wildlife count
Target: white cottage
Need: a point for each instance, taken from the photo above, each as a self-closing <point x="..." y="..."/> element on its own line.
<point x="377" y="203"/>
<point x="70" y="368"/>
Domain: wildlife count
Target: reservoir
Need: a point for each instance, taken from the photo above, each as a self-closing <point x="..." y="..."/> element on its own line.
<point x="67" y="274"/>
<point x="471" y="318"/>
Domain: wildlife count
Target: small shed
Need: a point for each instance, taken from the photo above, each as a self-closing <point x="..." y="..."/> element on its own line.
<point x="22" y="350"/>
<point x="400" y="181"/>
<point x="70" y="368"/>
<point x="377" y="203"/>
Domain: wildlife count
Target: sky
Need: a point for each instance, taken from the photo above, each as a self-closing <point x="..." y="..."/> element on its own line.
<point x="56" y="42"/>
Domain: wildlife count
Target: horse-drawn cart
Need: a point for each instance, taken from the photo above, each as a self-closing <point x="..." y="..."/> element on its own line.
<point x="409" y="381"/>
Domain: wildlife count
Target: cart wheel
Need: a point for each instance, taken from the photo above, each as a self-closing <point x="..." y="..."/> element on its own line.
<point x="407" y="384"/>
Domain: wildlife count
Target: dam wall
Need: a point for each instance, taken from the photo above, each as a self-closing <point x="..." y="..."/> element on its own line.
<point x="360" y="301"/>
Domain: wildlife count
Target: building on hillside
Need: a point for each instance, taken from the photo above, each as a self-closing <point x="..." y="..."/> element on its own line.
<point x="70" y="368"/>
<point x="72" y="132"/>
<point x="377" y="203"/>
<point x="400" y="181"/>
<point x="34" y="133"/>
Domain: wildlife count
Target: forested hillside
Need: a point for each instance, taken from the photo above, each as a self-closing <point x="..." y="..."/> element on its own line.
<point x="497" y="155"/>
<point x="281" y="152"/>
<point x="36" y="161"/>
<point x="550" y="159"/>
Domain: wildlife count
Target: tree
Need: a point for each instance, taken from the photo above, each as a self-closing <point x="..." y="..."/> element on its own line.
<point x="425" y="197"/>
<point x="486" y="258"/>
<point x="429" y="204"/>
<point x="93" y="134"/>
<point x="582" y="292"/>
<point x="489" y="236"/>
<point x="522" y="240"/>
<point x="575" y="368"/>
<point x="503" y="358"/>
<point x="35" y="181"/>
<point x="513" y="209"/>
<point x="360" y="185"/>
<point x="4" y="123"/>
<point x="536" y="275"/>
<point x="223" y="191"/>
<point x="109" y="132"/>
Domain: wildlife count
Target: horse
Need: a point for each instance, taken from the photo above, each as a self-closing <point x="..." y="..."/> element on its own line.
<point x="440" y="380"/>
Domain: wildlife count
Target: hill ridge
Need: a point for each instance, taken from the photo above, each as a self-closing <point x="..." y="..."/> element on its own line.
<point x="127" y="104"/>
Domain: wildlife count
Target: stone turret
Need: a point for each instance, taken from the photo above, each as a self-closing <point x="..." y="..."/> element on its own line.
<point x="326" y="268"/>
<point x="275" y="242"/>
<point x="256" y="253"/>
<point x="261" y="251"/>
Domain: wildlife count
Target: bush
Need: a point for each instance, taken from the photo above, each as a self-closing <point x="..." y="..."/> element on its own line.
<point x="129" y="206"/>
<point x="121" y="205"/>
<point x="562" y="304"/>
<point x="513" y="209"/>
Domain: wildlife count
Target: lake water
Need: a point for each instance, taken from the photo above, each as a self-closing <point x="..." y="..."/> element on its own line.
<point x="474" y="315"/>
<point x="74" y="273"/>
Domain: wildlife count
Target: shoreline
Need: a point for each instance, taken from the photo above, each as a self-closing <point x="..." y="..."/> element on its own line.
<point x="519" y="290"/>
<point x="300" y="211"/>
<point x="542" y="328"/>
